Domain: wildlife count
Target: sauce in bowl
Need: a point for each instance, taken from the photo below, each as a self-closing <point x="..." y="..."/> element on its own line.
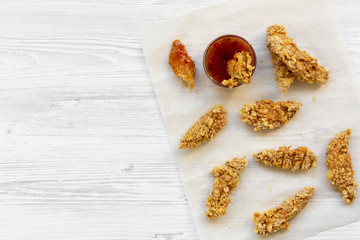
<point x="220" y="51"/>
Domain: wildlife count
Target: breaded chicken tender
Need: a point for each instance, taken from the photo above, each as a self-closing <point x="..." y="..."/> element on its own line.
<point x="240" y="69"/>
<point x="205" y="128"/>
<point x="266" y="114"/>
<point x="289" y="60"/>
<point x="226" y="178"/>
<point x="300" y="158"/>
<point x="341" y="173"/>
<point x="181" y="63"/>
<point x="277" y="218"/>
<point x="284" y="76"/>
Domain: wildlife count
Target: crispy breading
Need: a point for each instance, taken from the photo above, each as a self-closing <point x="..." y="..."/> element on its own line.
<point x="240" y="69"/>
<point x="289" y="60"/>
<point x="266" y="114"/>
<point x="277" y="218"/>
<point x="226" y="178"/>
<point x="181" y="63"/>
<point x="300" y="158"/>
<point x="205" y="128"/>
<point x="341" y="173"/>
<point x="284" y="76"/>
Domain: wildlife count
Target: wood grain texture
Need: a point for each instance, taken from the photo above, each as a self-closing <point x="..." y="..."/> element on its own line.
<point x="84" y="153"/>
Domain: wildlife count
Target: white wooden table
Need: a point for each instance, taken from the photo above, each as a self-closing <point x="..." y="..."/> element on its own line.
<point x="83" y="150"/>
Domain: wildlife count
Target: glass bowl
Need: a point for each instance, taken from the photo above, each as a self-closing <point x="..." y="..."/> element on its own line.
<point x="219" y="52"/>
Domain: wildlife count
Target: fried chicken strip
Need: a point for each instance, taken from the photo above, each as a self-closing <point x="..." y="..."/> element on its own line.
<point x="205" y="128"/>
<point x="300" y="158"/>
<point x="286" y="53"/>
<point x="226" y="178"/>
<point x="181" y="63"/>
<point x="240" y="69"/>
<point x="284" y="76"/>
<point x="341" y="173"/>
<point x="266" y="114"/>
<point x="277" y="218"/>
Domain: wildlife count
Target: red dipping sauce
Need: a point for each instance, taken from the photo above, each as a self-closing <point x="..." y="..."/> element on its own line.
<point x="220" y="51"/>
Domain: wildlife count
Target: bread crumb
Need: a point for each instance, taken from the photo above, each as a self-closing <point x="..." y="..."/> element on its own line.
<point x="261" y="60"/>
<point x="314" y="99"/>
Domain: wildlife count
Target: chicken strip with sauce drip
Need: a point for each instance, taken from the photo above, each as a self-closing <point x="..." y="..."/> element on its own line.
<point x="182" y="64"/>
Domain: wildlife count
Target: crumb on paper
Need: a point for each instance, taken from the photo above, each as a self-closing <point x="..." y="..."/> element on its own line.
<point x="226" y="178"/>
<point x="266" y="114"/>
<point x="182" y="64"/>
<point x="277" y="218"/>
<point x="289" y="60"/>
<point x="270" y="189"/>
<point x="205" y="128"/>
<point x="341" y="173"/>
<point x="314" y="99"/>
<point x="261" y="60"/>
<point x="300" y="158"/>
<point x="240" y="69"/>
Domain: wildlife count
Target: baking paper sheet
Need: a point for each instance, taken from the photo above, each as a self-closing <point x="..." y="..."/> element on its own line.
<point x="315" y="28"/>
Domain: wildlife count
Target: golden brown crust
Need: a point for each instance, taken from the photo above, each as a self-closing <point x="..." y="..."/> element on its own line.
<point x="289" y="60"/>
<point x="277" y="218"/>
<point x="240" y="69"/>
<point x="341" y="173"/>
<point x="266" y="114"/>
<point x="300" y="158"/>
<point x="181" y="63"/>
<point x="226" y="178"/>
<point x="284" y="76"/>
<point x="205" y="128"/>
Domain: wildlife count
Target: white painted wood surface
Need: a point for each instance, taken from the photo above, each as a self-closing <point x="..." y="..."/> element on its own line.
<point x="84" y="153"/>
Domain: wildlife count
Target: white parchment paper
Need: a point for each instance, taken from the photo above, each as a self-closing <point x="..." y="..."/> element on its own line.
<point x="315" y="28"/>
